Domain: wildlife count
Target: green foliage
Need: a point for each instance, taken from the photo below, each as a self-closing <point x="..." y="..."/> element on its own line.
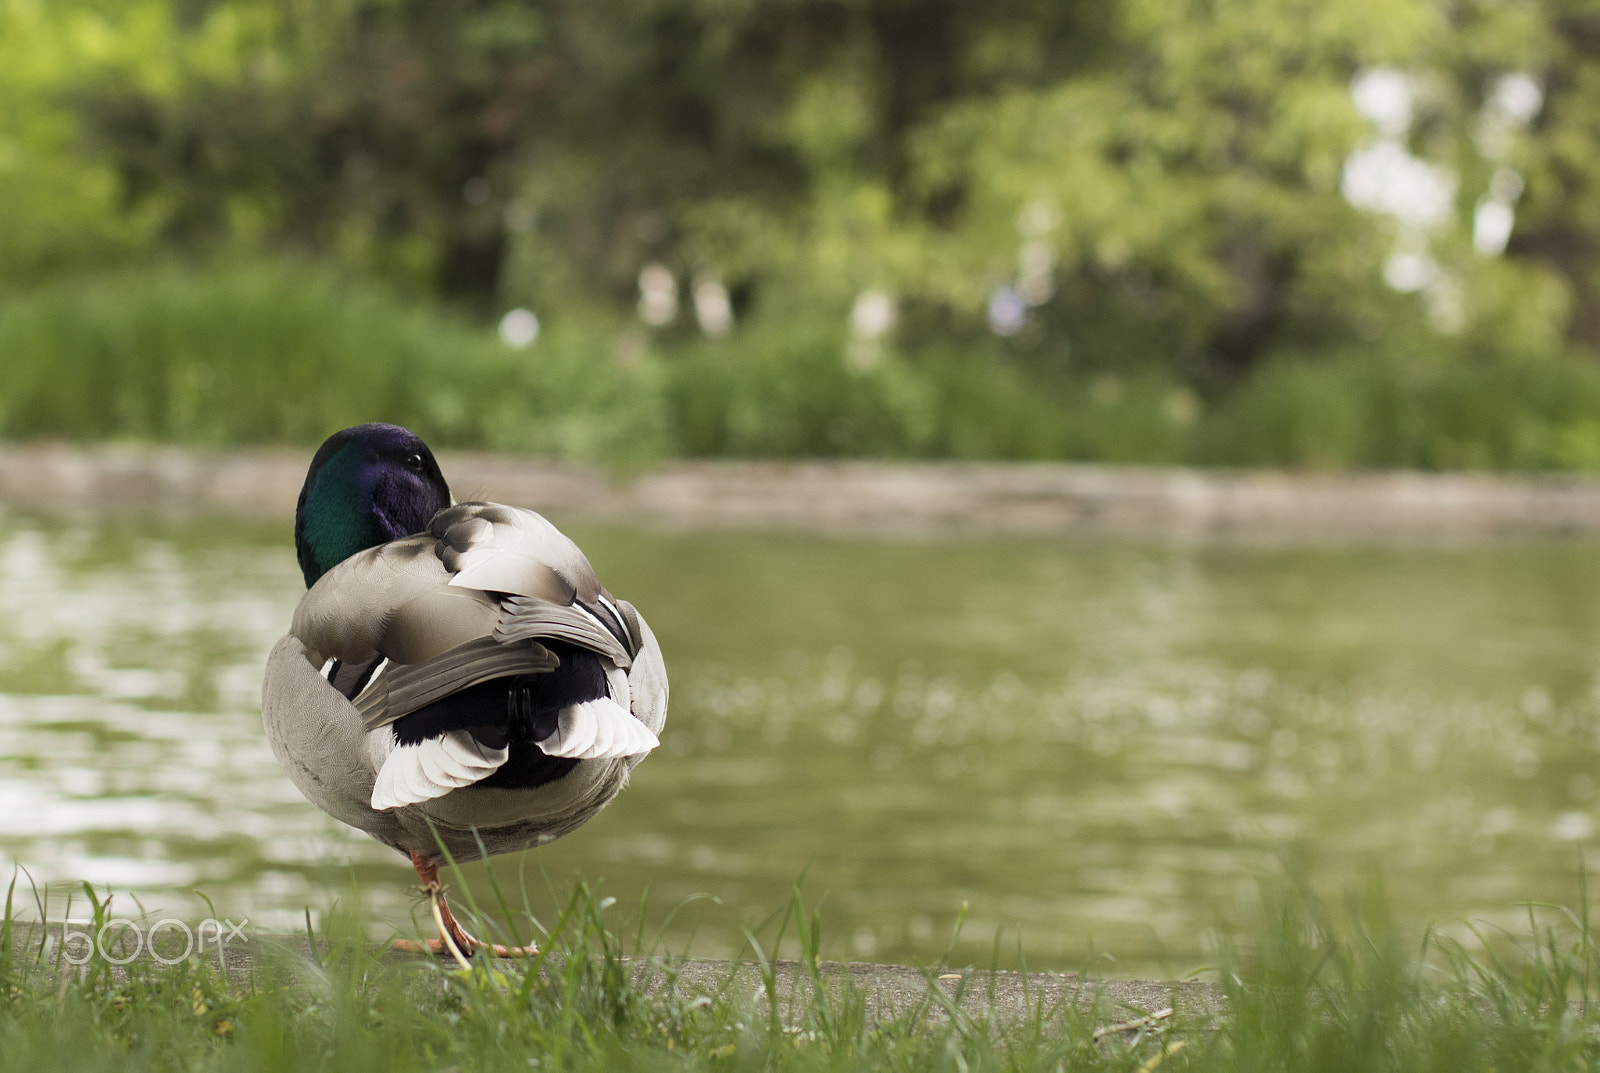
<point x="1174" y="170"/>
<point x="254" y="353"/>
<point x="1364" y="411"/>
<point x="57" y="210"/>
<point x="793" y="393"/>
<point x="1197" y="180"/>
<point x="282" y="351"/>
<point x="1315" y="993"/>
<point x="1159" y="185"/>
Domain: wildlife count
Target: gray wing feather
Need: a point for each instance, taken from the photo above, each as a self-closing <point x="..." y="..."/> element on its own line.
<point x="403" y="688"/>
<point x="647" y="679"/>
<point x="523" y="617"/>
<point x="395" y="599"/>
<point x="633" y="624"/>
<point x="505" y="549"/>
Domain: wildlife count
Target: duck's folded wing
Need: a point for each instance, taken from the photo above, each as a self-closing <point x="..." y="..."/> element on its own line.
<point x="524" y="618"/>
<point x="647" y="678"/>
<point x="315" y="734"/>
<point x="545" y="587"/>
<point x="403" y="688"/>
<point x="395" y="599"/>
<point x="497" y="548"/>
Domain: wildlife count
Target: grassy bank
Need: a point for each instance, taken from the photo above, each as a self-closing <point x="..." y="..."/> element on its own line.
<point x="1306" y="994"/>
<point x="275" y="351"/>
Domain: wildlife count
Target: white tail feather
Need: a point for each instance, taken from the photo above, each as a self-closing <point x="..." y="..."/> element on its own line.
<point x="433" y="768"/>
<point x="598" y="729"/>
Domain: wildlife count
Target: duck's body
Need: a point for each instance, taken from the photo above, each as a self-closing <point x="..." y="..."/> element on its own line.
<point x="472" y="685"/>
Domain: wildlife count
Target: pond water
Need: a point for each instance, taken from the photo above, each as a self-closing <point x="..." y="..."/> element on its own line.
<point x="1096" y="746"/>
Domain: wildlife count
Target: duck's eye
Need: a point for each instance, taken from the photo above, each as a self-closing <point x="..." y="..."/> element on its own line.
<point x="414" y="462"/>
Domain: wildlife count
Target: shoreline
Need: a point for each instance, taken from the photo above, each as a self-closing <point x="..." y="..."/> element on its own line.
<point x="885" y="988"/>
<point x="857" y="497"/>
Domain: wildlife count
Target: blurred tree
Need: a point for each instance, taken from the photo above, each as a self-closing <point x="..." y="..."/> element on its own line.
<point x="58" y="211"/>
<point x="1132" y="183"/>
<point x="569" y="141"/>
<point x="1555" y="156"/>
<point x="1188" y="192"/>
<point x="377" y="131"/>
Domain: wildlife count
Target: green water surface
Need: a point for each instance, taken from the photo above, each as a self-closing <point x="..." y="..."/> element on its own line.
<point x="1098" y="747"/>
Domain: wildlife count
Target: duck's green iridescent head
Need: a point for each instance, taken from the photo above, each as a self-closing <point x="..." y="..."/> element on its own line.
<point x="367" y="485"/>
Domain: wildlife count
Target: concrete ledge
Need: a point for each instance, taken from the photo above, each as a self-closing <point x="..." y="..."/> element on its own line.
<point x="886" y="990"/>
<point x="894" y="498"/>
<point x="890" y="989"/>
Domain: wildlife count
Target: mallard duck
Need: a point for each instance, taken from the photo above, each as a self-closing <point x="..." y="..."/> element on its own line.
<point x="456" y="682"/>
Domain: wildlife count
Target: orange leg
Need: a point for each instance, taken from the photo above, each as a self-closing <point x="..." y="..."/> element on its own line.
<point x="453" y="938"/>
